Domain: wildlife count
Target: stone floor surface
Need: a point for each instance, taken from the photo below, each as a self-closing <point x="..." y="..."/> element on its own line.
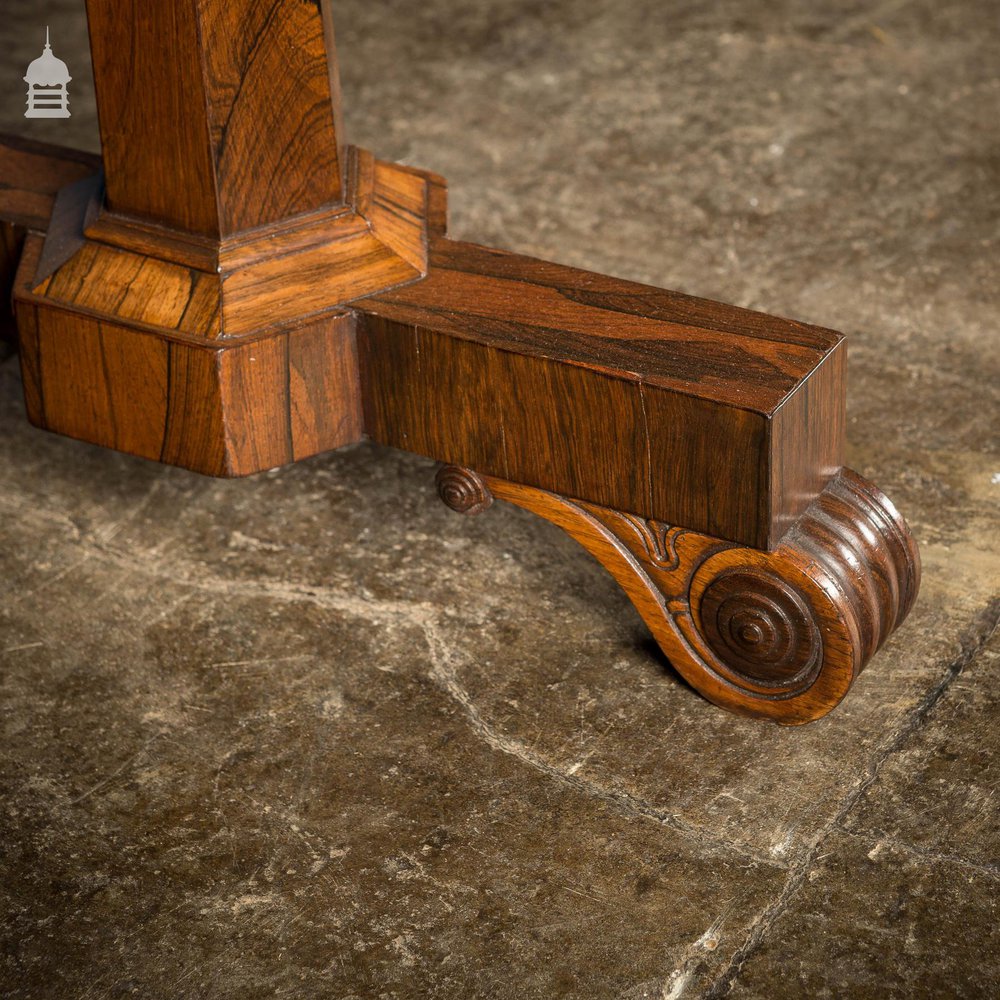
<point x="311" y="735"/>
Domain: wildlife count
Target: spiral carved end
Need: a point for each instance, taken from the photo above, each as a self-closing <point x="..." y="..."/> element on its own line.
<point x="799" y="624"/>
<point x="463" y="490"/>
<point x="761" y="628"/>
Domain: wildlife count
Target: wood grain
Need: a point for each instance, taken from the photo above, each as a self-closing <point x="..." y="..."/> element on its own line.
<point x="151" y="108"/>
<point x="271" y="112"/>
<point x="222" y="410"/>
<point x="132" y="288"/>
<point x="230" y="368"/>
<point x="215" y="117"/>
<point x="639" y="399"/>
<point x="269" y="280"/>
<point x="31" y="175"/>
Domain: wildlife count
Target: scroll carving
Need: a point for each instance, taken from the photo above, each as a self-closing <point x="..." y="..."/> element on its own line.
<point x="781" y="634"/>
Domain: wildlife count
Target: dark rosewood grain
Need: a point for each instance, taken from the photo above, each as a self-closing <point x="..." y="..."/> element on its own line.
<point x="215" y="117"/>
<point x="223" y="410"/>
<point x="648" y="401"/>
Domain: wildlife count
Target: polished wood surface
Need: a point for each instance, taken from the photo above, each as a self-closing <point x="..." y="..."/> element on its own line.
<point x="215" y="117"/>
<point x="222" y="410"/>
<point x="263" y="281"/>
<point x="31" y="175"/>
<point x="644" y="400"/>
<point x="239" y="288"/>
<point x="188" y="306"/>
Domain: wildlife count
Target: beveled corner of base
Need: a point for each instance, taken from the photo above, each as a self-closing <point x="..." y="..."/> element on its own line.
<point x="222" y="408"/>
<point x="225" y="357"/>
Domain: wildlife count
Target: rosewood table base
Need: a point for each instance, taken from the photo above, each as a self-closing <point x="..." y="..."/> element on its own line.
<point x="231" y="287"/>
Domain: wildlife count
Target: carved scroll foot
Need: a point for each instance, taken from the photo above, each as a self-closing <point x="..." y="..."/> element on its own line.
<point x="780" y="635"/>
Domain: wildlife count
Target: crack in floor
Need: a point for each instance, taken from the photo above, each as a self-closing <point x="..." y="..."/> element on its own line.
<point x="958" y="860"/>
<point x="974" y="639"/>
<point x="425" y="617"/>
<point x="622" y="801"/>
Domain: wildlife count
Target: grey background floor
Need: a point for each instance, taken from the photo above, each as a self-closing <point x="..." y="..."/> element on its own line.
<point x="312" y="735"/>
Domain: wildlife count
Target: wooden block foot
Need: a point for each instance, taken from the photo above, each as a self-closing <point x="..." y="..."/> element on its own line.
<point x="779" y="634"/>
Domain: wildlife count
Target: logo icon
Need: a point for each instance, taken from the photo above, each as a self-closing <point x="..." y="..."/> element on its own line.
<point x="47" y="77"/>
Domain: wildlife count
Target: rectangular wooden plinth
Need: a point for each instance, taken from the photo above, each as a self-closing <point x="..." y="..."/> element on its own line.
<point x="716" y="418"/>
<point x="647" y="401"/>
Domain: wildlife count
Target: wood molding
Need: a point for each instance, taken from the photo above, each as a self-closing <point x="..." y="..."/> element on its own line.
<point x="260" y="280"/>
<point x="225" y="357"/>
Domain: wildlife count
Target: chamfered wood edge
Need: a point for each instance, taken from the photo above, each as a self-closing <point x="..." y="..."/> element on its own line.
<point x="222" y="409"/>
<point x="776" y="635"/>
<point x="807" y="441"/>
<point x="257" y="281"/>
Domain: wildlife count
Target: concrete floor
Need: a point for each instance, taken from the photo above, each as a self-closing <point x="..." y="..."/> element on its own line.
<point x="312" y="735"/>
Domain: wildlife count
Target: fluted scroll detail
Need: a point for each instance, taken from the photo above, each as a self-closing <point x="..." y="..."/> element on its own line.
<point x="780" y="634"/>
